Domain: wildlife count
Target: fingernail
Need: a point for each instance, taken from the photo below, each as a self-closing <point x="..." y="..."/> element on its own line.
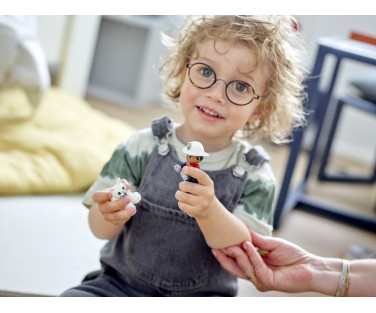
<point x="246" y="245"/>
<point x="132" y="210"/>
<point x="215" y="253"/>
<point x="185" y="170"/>
<point x="126" y="200"/>
<point x="229" y="251"/>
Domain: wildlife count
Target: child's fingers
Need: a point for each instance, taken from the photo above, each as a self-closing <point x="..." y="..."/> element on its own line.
<point x="190" y="188"/>
<point x="205" y="189"/>
<point x="195" y="195"/>
<point x="113" y="206"/>
<point x="200" y="175"/>
<point x="184" y="196"/>
<point x="126" y="183"/>
<point x="101" y="196"/>
<point x="185" y="202"/>
<point x="187" y="208"/>
<point x="121" y="216"/>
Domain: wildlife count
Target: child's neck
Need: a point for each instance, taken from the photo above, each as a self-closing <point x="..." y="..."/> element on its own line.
<point x="210" y="144"/>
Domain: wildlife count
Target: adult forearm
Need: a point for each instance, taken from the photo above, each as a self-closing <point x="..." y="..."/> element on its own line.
<point x="362" y="278"/>
<point x="222" y="229"/>
<point x="100" y="227"/>
<point x="327" y="273"/>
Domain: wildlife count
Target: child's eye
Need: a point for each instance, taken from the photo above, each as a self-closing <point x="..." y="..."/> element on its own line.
<point x="207" y="72"/>
<point x="240" y="87"/>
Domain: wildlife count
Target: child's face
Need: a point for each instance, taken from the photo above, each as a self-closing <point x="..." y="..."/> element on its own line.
<point x="208" y="112"/>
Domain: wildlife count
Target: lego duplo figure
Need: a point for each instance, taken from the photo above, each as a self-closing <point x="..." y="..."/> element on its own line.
<point x="119" y="190"/>
<point x="195" y="154"/>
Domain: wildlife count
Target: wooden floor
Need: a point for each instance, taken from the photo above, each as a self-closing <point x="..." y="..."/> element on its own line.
<point x="316" y="234"/>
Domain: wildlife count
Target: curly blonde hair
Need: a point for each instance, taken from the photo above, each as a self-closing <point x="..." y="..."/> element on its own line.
<point x="277" y="46"/>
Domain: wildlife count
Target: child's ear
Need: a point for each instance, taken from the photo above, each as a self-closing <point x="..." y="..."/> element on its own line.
<point x="182" y="76"/>
<point x="256" y="115"/>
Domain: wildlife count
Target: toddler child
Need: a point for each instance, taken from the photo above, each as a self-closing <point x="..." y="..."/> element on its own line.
<point x="228" y="74"/>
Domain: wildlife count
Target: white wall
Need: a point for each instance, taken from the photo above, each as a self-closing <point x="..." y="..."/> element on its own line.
<point x="71" y="41"/>
<point x="52" y="29"/>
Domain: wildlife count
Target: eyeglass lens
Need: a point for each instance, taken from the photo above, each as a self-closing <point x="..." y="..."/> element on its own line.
<point x="237" y="91"/>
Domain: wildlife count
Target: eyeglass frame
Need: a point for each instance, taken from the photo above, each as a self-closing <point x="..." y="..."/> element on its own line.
<point x="255" y="95"/>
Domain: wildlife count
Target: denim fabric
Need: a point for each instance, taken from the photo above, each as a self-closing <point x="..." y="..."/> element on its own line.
<point x="162" y="246"/>
<point x="106" y="283"/>
<point x="161" y="250"/>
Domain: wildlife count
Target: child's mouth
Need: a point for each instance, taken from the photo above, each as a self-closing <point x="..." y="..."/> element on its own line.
<point x="209" y="113"/>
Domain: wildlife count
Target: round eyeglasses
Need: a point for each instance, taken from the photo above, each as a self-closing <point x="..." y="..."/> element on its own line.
<point x="237" y="92"/>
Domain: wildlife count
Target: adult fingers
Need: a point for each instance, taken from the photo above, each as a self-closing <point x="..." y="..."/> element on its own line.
<point x="243" y="261"/>
<point x="255" y="258"/>
<point x="228" y="263"/>
<point x="264" y="242"/>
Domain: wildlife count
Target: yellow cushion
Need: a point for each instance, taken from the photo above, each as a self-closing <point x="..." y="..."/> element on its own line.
<point x="59" y="148"/>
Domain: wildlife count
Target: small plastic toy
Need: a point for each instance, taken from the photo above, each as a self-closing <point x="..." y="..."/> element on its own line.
<point x="195" y="154"/>
<point x="120" y="191"/>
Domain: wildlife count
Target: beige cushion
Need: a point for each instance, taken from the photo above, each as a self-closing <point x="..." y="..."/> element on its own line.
<point x="58" y="148"/>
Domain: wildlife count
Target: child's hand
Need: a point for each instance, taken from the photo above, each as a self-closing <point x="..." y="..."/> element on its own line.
<point x="113" y="211"/>
<point x="197" y="200"/>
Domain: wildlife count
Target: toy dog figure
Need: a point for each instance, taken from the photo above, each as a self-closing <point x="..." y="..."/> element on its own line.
<point x="120" y="191"/>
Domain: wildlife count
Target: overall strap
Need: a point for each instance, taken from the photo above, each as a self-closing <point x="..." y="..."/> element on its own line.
<point x="162" y="127"/>
<point x="257" y="156"/>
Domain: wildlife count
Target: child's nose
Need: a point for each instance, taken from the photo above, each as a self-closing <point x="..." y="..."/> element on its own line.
<point x="217" y="92"/>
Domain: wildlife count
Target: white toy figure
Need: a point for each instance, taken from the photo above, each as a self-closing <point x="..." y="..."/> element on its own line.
<point x="120" y="191"/>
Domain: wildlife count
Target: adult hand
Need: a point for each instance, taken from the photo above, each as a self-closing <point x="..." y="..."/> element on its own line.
<point x="285" y="267"/>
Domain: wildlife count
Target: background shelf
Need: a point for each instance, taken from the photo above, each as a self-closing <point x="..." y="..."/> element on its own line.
<point x="127" y="58"/>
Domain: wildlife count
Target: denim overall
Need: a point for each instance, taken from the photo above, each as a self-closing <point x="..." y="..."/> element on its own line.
<point x="161" y="250"/>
